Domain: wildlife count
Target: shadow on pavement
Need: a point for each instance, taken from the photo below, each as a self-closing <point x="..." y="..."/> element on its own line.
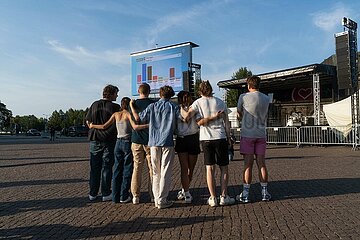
<point x="293" y="189"/>
<point x="41" y="163"/>
<point x="136" y="225"/>
<point x="41" y="182"/>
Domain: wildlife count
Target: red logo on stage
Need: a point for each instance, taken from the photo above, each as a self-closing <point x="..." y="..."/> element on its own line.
<point x="302" y="94"/>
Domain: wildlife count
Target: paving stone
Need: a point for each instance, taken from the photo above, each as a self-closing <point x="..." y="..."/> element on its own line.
<point x="44" y="188"/>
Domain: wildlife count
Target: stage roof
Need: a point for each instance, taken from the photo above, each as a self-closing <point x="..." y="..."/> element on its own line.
<point x="288" y="78"/>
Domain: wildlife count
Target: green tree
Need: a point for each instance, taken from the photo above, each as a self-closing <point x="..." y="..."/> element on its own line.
<point x="55" y="120"/>
<point x="28" y="122"/>
<point x="232" y="95"/>
<point x="5" y="116"/>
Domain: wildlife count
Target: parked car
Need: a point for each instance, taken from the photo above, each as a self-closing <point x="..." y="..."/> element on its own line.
<point x="33" y="132"/>
<point x="78" y="131"/>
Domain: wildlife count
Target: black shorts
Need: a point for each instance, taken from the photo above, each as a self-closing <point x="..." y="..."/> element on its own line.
<point x="215" y="152"/>
<point x="188" y="144"/>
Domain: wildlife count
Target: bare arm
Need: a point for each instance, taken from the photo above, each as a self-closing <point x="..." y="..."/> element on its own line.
<point x="136" y="126"/>
<point x="187" y="114"/>
<point x="239" y="115"/>
<point x="105" y="125"/>
<point x="134" y="112"/>
<point x="227" y="128"/>
<point x="205" y="121"/>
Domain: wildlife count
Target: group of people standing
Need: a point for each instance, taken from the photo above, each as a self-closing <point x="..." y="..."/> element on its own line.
<point x="124" y="138"/>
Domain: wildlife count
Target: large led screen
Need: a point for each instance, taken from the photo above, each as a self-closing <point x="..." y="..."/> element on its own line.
<point x="159" y="67"/>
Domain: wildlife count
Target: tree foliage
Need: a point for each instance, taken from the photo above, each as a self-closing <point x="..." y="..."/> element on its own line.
<point x="71" y="117"/>
<point x="58" y="120"/>
<point x="232" y="95"/>
<point x="5" y="116"/>
<point x="28" y="122"/>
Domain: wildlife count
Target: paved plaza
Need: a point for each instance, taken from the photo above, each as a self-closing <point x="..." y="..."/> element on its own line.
<point x="44" y="189"/>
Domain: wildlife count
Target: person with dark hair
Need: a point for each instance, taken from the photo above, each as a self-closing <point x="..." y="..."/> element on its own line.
<point x="102" y="143"/>
<point x="187" y="146"/>
<point x="123" y="166"/>
<point x="214" y="137"/>
<point x="161" y="116"/>
<point x="252" y="110"/>
<point x="140" y="148"/>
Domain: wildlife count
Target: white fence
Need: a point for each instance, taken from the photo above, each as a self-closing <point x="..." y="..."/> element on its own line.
<point x="308" y="135"/>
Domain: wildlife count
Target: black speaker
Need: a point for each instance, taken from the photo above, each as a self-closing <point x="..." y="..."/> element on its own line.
<point x="343" y="60"/>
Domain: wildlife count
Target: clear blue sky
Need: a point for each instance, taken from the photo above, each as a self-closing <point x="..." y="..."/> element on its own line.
<point x="60" y="54"/>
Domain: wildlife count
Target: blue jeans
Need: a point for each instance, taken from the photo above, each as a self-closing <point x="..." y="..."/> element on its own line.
<point x="101" y="163"/>
<point x="123" y="169"/>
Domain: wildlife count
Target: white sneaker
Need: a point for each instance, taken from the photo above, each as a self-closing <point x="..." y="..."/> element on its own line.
<point x="226" y="200"/>
<point x="136" y="200"/>
<point x="181" y="195"/>
<point x="107" y="198"/>
<point x="92" y="198"/>
<point x="244" y="198"/>
<point x="188" y="198"/>
<point x="212" y="201"/>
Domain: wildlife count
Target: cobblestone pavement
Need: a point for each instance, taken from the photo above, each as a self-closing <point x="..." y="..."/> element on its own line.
<point x="44" y="188"/>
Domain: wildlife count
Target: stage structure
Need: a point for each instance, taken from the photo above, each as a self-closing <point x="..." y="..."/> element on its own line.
<point x="170" y="65"/>
<point x="353" y="75"/>
<point x="295" y="91"/>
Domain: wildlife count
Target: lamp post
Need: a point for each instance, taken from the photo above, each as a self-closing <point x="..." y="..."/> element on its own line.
<point x="46" y="122"/>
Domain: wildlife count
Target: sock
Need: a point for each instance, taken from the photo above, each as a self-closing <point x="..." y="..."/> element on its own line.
<point x="246" y="189"/>
<point x="187" y="193"/>
<point x="264" y="188"/>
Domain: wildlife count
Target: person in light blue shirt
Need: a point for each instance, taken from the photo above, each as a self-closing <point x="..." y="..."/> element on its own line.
<point x="162" y="117"/>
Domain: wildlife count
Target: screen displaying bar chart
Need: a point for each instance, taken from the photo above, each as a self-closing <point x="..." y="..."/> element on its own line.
<point x="160" y="67"/>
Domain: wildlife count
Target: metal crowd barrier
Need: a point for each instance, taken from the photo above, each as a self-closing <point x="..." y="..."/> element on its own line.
<point x="308" y="135"/>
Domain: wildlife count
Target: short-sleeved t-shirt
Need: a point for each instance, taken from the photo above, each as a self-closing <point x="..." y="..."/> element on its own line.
<point x="254" y="108"/>
<point x="99" y="112"/>
<point x="141" y="136"/>
<point x="206" y="107"/>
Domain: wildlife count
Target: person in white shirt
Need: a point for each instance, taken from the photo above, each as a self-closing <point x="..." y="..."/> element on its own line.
<point x="214" y="137"/>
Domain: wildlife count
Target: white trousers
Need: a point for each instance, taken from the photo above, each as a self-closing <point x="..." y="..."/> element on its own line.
<point x="162" y="159"/>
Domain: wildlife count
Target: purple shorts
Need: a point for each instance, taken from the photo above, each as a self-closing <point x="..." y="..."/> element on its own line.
<point x="253" y="146"/>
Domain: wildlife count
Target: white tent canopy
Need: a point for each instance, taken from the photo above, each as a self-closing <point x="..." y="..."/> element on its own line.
<point x="339" y="114"/>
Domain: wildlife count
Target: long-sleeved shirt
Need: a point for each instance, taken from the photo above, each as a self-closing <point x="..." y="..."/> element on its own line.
<point x="161" y="116"/>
